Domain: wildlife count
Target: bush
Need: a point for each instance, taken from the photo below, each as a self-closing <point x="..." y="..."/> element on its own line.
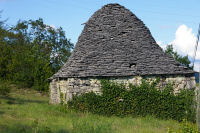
<point x="4" y="89"/>
<point x="141" y="100"/>
<point x="186" y="127"/>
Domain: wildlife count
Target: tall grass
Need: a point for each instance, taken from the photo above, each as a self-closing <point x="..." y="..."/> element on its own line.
<point x="29" y="111"/>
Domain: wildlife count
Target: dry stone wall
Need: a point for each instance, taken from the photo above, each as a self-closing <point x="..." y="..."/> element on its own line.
<point x="76" y="86"/>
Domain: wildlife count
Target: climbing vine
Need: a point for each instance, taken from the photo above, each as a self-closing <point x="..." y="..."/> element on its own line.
<point x="142" y="100"/>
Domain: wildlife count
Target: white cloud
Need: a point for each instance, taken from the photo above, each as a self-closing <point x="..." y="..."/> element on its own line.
<point x="185" y="41"/>
<point x="160" y="43"/>
<point x="197" y="66"/>
<point x="53" y="26"/>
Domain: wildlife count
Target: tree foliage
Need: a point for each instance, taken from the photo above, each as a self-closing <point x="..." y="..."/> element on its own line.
<point x="184" y="60"/>
<point x="31" y="52"/>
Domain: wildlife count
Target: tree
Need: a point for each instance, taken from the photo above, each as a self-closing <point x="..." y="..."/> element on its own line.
<point x="5" y="50"/>
<point x="31" y="52"/>
<point x="46" y="40"/>
<point x="184" y="60"/>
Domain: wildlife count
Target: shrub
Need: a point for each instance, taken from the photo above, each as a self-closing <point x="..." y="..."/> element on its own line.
<point x="141" y="100"/>
<point x="4" y="89"/>
<point x="186" y="127"/>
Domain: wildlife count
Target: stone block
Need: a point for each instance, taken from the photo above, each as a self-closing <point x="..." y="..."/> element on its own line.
<point x="190" y="84"/>
<point x="71" y="80"/>
<point x="192" y="78"/>
<point x="181" y="86"/>
<point x="95" y="89"/>
<point x="179" y="79"/>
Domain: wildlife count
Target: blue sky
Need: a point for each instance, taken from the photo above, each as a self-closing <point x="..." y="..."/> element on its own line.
<point x="168" y="20"/>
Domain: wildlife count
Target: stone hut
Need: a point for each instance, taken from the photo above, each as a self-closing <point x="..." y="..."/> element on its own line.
<point x="115" y="44"/>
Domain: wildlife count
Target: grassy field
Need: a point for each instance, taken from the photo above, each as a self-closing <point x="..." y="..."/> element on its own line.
<point x="29" y="112"/>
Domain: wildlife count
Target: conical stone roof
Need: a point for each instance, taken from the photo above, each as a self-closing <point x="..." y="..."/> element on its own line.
<point x="114" y="42"/>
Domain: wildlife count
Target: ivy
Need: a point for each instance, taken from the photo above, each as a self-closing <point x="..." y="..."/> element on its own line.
<point x="141" y="100"/>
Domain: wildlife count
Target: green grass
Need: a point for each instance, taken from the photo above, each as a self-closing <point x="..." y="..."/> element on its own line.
<point x="29" y="111"/>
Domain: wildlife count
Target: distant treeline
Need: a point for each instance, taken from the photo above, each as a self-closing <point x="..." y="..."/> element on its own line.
<point x="31" y="51"/>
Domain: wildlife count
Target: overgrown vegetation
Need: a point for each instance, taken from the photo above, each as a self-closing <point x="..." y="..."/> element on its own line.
<point x="141" y="100"/>
<point x="31" y="52"/>
<point x="186" y="127"/>
<point x="4" y="89"/>
<point x="27" y="111"/>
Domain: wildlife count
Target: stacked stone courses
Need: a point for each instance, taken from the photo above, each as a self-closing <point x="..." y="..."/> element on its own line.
<point x="116" y="44"/>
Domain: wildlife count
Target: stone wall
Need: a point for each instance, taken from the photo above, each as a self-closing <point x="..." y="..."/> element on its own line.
<point x="72" y="86"/>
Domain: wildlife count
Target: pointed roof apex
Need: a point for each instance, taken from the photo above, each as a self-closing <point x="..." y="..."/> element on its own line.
<point x="113" y="43"/>
<point x="113" y="5"/>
